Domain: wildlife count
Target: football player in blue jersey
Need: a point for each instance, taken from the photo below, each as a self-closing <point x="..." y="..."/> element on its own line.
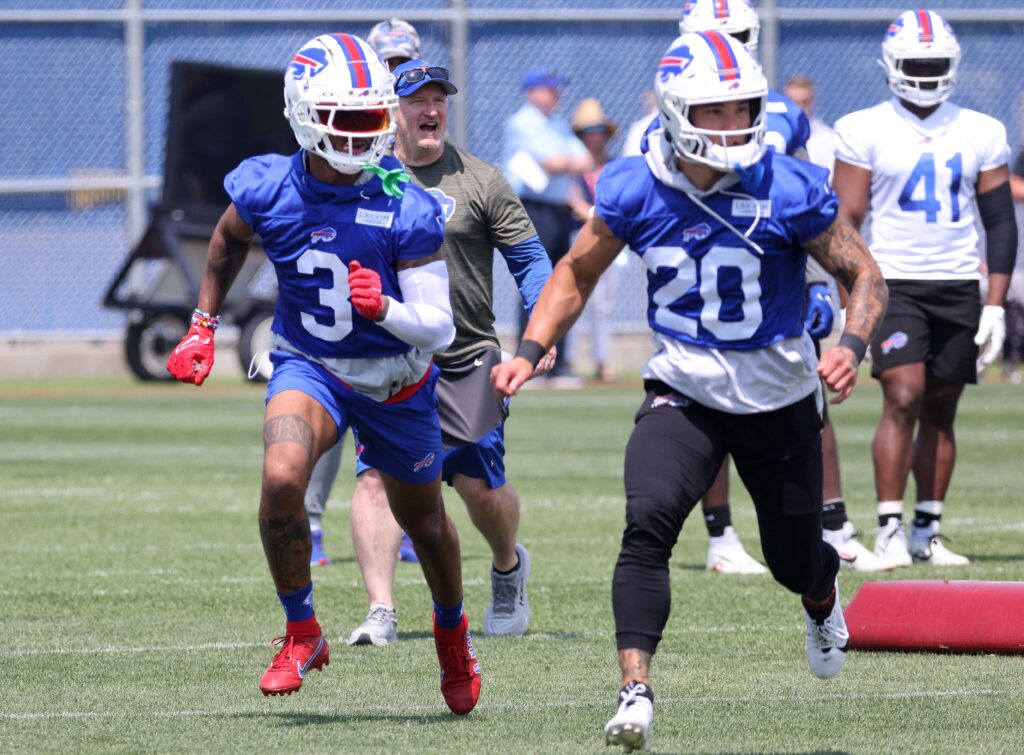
<point x="787" y="130"/>
<point x="362" y="305"/>
<point x="724" y="227"/>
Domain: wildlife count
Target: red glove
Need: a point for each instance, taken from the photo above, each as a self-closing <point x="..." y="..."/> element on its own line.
<point x="192" y="359"/>
<point x="364" y="287"/>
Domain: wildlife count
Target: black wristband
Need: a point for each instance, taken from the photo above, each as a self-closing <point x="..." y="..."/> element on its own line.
<point x="855" y="344"/>
<point x="531" y="351"/>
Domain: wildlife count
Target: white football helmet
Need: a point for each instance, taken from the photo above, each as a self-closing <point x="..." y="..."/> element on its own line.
<point x="920" y="35"/>
<point x="395" y="38"/>
<point x="736" y="18"/>
<point x="704" y="68"/>
<point x="336" y="85"/>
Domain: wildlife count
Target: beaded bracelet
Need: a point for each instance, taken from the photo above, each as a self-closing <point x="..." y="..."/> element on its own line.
<point x="205" y="319"/>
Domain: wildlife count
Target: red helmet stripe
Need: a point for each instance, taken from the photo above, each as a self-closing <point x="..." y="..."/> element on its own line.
<point x="728" y="67"/>
<point x="356" y="64"/>
<point x="924" y="20"/>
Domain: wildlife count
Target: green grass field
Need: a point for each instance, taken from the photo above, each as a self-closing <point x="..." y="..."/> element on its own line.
<point x="138" y="608"/>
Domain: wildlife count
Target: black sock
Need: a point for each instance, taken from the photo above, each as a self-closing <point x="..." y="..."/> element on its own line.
<point x="883" y="519"/>
<point x="833" y="514"/>
<point x="637" y="689"/>
<point x="510" y="571"/>
<point x="922" y="518"/>
<point x="717" y="519"/>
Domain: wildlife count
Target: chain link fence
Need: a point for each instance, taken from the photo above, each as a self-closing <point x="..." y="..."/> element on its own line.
<point x="85" y="84"/>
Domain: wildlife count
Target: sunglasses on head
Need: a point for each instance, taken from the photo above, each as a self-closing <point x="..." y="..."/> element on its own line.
<point x="417" y="74"/>
<point x="355" y="121"/>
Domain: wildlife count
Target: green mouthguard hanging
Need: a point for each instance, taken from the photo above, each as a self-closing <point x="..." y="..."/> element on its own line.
<point x="392" y="179"/>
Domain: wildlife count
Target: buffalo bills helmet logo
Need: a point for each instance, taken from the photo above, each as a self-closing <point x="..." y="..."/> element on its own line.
<point x="894" y="28"/>
<point x="308" y="62"/>
<point x="674" y="62"/>
<point x="446" y="202"/>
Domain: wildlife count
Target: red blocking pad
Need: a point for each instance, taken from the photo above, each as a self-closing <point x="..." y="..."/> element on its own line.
<point x="938" y="616"/>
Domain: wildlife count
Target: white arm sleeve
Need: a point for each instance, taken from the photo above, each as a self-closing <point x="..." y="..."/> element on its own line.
<point x="424" y="319"/>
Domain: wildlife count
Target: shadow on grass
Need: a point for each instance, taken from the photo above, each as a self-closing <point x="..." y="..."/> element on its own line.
<point x="326" y="719"/>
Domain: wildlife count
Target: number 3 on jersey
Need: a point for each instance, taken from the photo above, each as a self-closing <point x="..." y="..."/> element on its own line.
<point x="924" y="172"/>
<point x="334" y="298"/>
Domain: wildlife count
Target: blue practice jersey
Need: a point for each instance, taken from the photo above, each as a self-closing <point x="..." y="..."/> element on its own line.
<point x="786" y="127"/>
<point x="705" y="285"/>
<point x="312" y="230"/>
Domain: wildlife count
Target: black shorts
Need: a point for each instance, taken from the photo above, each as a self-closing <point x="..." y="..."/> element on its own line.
<point x="677" y="447"/>
<point x="467" y="404"/>
<point x="933" y="322"/>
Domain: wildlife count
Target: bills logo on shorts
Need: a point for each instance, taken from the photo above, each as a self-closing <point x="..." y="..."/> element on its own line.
<point x="423" y="463"/>
<point x="324" y="234"/>
<point x="696" y="233"/>
<point x="674" y="400"/>
<point x="897" y="340"/>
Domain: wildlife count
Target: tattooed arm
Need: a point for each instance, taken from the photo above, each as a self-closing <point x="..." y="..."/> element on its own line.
<point x="229" y="245"/>
<point x="843" y="253"/>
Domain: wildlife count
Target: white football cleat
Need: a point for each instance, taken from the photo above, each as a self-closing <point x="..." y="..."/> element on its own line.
<point x="891" y="544"/>
<point x="726" y="555"/>
<point x="827" y="641"/>
<point x="927" y="548"/>
<point x="852" y="553"/>
<point x="633" y="724"/>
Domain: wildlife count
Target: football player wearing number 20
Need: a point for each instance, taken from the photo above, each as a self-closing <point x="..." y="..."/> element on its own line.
<point x="724" y="227"/>
<point x="922" y="169"/>
<point x="362" y="305"/>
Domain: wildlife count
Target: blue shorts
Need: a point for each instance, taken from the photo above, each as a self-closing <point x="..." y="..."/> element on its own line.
<point x="402" y="438"/>
<point x="483" y="460"/>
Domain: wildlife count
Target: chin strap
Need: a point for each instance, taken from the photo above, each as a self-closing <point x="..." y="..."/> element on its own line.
<point x="391" y="179"/>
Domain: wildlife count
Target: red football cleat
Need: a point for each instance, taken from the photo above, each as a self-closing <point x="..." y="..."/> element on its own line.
<point x="460" y="670"/>
<point x="298" y="654"/>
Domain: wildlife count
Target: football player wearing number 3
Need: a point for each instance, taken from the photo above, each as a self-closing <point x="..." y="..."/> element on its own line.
<point x="921" y="167"/>
<point x="362" y="305"/>
<point x="724" y="228"/>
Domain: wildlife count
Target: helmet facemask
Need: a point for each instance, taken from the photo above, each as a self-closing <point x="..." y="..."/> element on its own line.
<point x="711" y="147"/>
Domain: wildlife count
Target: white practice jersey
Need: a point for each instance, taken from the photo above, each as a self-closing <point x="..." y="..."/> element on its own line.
<point x="923" y="177"/>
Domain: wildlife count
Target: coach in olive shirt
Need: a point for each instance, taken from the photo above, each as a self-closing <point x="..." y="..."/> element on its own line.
<point x="482" y="213"/>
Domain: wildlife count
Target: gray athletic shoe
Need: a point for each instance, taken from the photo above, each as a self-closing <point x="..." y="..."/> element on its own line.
<point x="509" y="610"/>
<point x="380" y="627"/>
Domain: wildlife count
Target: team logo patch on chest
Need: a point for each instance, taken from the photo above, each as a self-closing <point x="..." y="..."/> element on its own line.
<point x="376" y="218"/>
<point x="447" y="203"/>
<point x="324" y="234"/>
<point x="696" y="233"/>
<point x="752" y="208"/>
